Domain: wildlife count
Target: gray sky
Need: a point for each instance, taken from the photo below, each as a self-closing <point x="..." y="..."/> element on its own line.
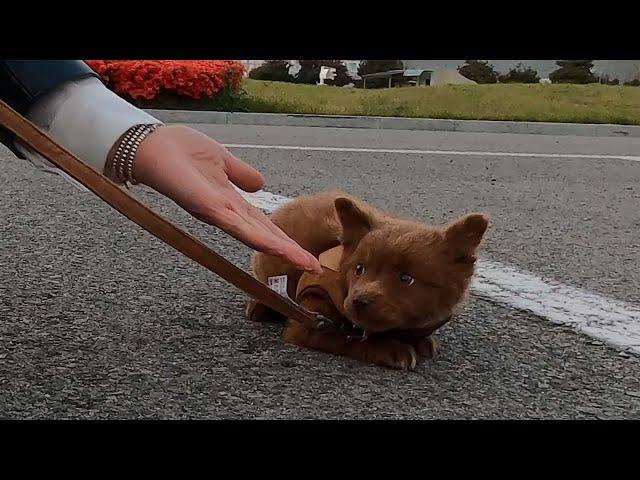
<point x="622" y="69"/>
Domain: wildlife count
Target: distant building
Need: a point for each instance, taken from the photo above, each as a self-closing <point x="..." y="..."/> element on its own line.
<point x="419" y="77"/>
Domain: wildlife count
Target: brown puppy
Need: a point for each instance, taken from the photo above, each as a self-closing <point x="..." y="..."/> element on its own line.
<point x="397" y="275"/>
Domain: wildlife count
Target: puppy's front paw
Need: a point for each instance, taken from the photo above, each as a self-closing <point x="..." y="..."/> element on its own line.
<point x="427" y="348"/>
<point x="387" y="352"/>
<point x="392" y="354"/>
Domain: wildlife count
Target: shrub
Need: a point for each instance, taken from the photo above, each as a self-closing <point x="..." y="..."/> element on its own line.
<point x="520" y="74"/>
<point x="146" y="79"/>
<point x="478" y="71"/>
<point x="274" y="70"/>
<point x="635" y="80"/>
<point x="606" y="80"/>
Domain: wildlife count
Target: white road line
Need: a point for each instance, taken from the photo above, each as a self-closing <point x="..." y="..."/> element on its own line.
<point x="436" y="152"/>
<point x="611" y="321"/>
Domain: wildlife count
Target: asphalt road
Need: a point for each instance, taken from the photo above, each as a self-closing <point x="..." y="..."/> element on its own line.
<point x="101" y="320"/>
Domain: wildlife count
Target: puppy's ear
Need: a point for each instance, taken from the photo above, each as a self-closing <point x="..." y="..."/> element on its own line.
<point x="464" y="235"/>
<point x="355" y="223"/>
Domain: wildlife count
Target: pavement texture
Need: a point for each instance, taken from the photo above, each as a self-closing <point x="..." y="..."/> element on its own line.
<point x="101" y="320"/>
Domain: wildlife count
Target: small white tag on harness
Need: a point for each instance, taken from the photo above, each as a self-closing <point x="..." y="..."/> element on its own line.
<point x="279" y="285"/>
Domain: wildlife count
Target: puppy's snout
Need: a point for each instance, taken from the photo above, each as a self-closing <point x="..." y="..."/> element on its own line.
<point x="361" y="302"/>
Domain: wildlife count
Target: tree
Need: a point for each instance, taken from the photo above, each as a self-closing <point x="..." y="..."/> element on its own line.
<point x="377" y="66"/>
<point x="573" y="71"/>
<point x="274" y="70"/>
<point x="520" y="74"/>
<point x="310" y="72"/>
<point x="478" y="71"/>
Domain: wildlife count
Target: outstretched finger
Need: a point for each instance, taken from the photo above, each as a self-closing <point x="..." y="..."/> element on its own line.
<point x="242" y="174"/>
<point x="260" y="238"/>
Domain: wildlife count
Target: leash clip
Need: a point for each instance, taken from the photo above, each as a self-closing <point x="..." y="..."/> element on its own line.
<point x="322" y="322"/>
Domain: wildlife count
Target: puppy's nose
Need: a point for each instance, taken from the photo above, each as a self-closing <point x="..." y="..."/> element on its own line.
<point x="361" y="302"/>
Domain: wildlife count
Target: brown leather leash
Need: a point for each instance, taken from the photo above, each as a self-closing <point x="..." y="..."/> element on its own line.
<point x="135" y="211"/>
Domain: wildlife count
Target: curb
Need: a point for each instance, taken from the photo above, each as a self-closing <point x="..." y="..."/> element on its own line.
<point x="396" y="123"/>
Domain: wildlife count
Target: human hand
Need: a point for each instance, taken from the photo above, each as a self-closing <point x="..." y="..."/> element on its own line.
<point x="197" y="173"/>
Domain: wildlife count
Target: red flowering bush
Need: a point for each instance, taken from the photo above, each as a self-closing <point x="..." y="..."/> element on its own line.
<point x="146" y="79"/>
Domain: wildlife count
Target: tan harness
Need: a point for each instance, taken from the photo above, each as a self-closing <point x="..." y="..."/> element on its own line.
<point x="327" y="284"/>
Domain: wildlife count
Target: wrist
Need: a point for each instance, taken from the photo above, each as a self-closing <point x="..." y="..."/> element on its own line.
<point x="122" y="157"/>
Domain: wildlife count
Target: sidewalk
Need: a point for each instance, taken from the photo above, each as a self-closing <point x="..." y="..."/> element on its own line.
<point x="396" y="123"/>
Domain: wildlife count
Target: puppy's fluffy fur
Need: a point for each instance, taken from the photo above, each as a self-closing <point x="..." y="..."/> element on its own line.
<point x="397" y="274"/>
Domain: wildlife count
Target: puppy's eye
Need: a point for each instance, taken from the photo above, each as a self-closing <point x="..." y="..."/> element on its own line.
<point x="406" y="278"/>
<point x="359" y="269"/>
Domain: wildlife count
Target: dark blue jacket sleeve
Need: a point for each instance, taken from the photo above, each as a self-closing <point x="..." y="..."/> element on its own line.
<point x="23" y="82"/>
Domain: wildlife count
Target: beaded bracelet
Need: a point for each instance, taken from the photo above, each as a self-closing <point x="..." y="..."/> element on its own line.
<point x="125" y="155"/>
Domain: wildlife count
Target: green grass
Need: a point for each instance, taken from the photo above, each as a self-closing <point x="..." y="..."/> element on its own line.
<point x="518" y="102"/>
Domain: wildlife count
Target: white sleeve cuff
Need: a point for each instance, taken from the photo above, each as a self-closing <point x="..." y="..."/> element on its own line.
<point x="85" y="117"/>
